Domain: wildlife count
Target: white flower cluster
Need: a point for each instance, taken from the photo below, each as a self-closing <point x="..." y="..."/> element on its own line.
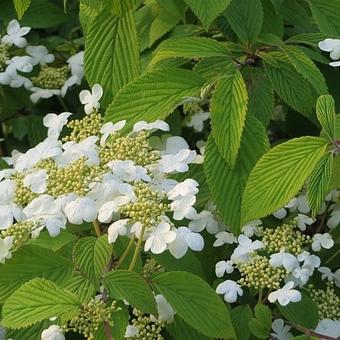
<point x="106" y="176"/>
<point x="19" y="66"/>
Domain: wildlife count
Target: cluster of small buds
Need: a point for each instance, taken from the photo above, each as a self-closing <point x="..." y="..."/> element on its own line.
<point x="148" y="208"/>
<point x="83" y="128"/>
<point x="21" y="232"/>
<point x="286" y="237"/>
<point x="51" y="77"/>
<point x="327" y="300"/>
<point x="259" y="274"/>
<point x="90" y="317"/>
<point x="150" y="268"/>
<point x="148" y="326"/>
<point x="23" y="194"/>
<point x="4" y="56"/>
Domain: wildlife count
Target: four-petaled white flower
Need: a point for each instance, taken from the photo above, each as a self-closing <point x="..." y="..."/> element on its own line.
<point x="322" y="241"/>
<point x="185" y="238"/>
<point x="109" y="128"/>
<point x="332" y="46"/>
<point x="15" y="34"/>
<point x="39" y="55"/>
<point x="80" y="210"/>
<point x="183" y="189"/>
<point x="36" y="181"/>
<point x="309" y="260"/>
<point x="76" y="64"/>
<point x="183" y="208"/>
<point x="251" y="227"/>
<point x="116" y="229"/>
<point x="55" y="123"/>
<point x="280" y="330"/>
<point x="222" y="267"/>
<point x="327" y="274"/>
<point x="156" y="125"/>
<point x="13" y="79"/>
<point x="245" y="247"/>
<point x="334" y="219"/>
<point x="329" y="327"/>
<point x="21" y="63"/>
<point x="230" y="290"/>
<point x="224" y="237"/>
<point x="285" y="295"/>
<point x="302" y="221"/>
<point x="286" y="260"/>
<point x="39" y="93"/>
<point x="127" y="171"/>
<point x="91" y="99"/>
<point x="197" y="120"/>
<point x="160" y="238"/>
<point x="5" y="248"/>
<point x="204" y="220"/>
<point x="54" y="332"/>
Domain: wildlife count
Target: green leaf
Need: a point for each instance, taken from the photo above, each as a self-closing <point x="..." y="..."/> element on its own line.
<point x="304" y="312"/>
<point x="240" y="317"/>
<point x="319" y="182"/>
<point x="306" y="68"/>
<point x="282" y="172"/>
<point x="227" y="184"/>
<point x="206" y="11"/>
<point x="36" y="301"/>
<point x="21" y="6"/>
<point x="245" y="18"/>
<point x="30" y="262"/>
<point x="112" y="53"/>
<point x="213" y="67"/>
<point x="153" y="95"/>
<point x="54" y="243"/>
<point x="196" y="303"/>
<point x="326" y="15"/>
<point x="289" y="85"/>
<point x="325" y="111"/>
<point x="335" y="179"/>
<point x="120" y="7"/>
<point x="174" y="7"/>
<point x="310" y="39"/>
<point x="228" y="113"/>
<point x="261" y="325"/>
<point x="188" y="47"/>
<point x="91" y="255"/>
<point x="81" y="287"/>
<point x="130" y="286"/>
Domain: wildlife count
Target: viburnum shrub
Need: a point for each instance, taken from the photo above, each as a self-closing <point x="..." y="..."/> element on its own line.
<point x="188" y="187"/>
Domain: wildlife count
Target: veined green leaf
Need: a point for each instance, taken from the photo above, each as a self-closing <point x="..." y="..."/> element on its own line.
<point x="214" y="67"/>
<point x="21" y="6"/>
<point x="112" y="53"/>
<point x="188" y="47"/>
<point x="306" y="68"/>
<point x="81" y="287"/>
<point x="261" y="325"/>
<point x="245" y="18"/>
<point x="281" y="173"/>
<point x="335" y="179"/>
<point x="207" y="11"/>
<point x="319" y="182"/>
<point x="326" y="15"/>
<point x="228" y="113"/>
<point x="310" y="39"/>
<point x="153" y="95"/>
<point x="240" y="316"/>
<point x="36" y="301"/>
<point x="325" y="111"/>
<point x="227" y="184"/>
<point x="28" y="333"/>
<point x="120" y="7"/>
<point x="196" y="303"/>
<point x="130" y="286"/>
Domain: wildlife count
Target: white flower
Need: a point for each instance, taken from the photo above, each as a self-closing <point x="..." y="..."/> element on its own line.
<point x="5" y="248"/>
<point x="91" y="99"/>
<point x="230" y="289"/>
<point x="13" y="79"/>
<point x="197" y="120"/>
<point x="302" y="274"/>
<point x="131" y="331"/>
<point x="185" y="238"/>
<point x="299" y="203"/>
<point x="127" y="171"/>
<point x="39" y="93"/>
<point x="81" y="209"/>
<point x="309" y="260"/>
<point x="69" y="82"/>
<point x="303" y="220"/>
<point x="326" y="274"/>
<point x="39" y="55"/>
<point x="22" y="63"/>
<point x="36" y="181"/>
<point x="115" y="229"/>
<point x="224" y="237"/>
<point x="222" y="267"/>
<point x="280" y="214"/>
<point x="109" y="209"/>
<point x="285" y="294"/>
<point x="332" y="46"/>
<point x="280" y="330"/>
<point x="7" y="191"/>
<point x="8" y="213"/>
<point x="329" y="328"/>
<point x="183" y="208"/>
<point x="287" y="260"/>
<point x="54" y="332"/>
<point x="183" y="189"/>
<point x="245" y="247"/>
<point x="165" y="311"/>
<point x="322" y="241"/>
<point x="160" y="238"/>
<point x="76" y="64"/>
<point x="15" y="34"/>
<point x="55" y="123"/>
<point x="251" y="227"/>
<point x="334" y="219"/>
<point x="109" y="128"/>
<point x="156" y="125"/>
<point x="204" y="220"/>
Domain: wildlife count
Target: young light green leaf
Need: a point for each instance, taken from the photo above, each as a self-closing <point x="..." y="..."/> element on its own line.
<point x="240" y="316"/>
<point x="206" y="11"/>
<point x="130" y="286"/>
<point x="228" y="113"/>
<point x="196" y="303"/>
<point x="21" y="7"/>
<point x="227" y="184"/>
<point x="153" y="95"/>
<point x="335" y="179"/>
<point x="112" y="53"/>
<point x="306" y="68"/>
<point x="81" y="287"/>
<point x="281" y="172"/>
<point x="188" y="47"/>
<point x="91" y="256"/>
<point x="30" y="262"/>
<point x="245" y="18"/>
<point x="261" y="325"/>
<point x="319" y="182"/>
<point x="36" y="301"/>
<point x="120" y="7"/>
<point x="325" y="111"/>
